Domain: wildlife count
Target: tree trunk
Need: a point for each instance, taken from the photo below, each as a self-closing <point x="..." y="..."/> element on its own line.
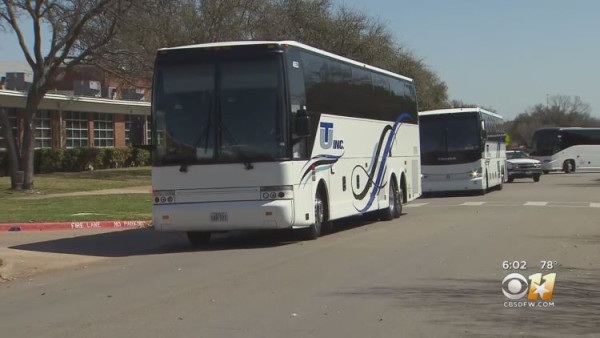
<point x="34" y="98"/>
<point x="28" y="150"/>
<point x="11" y="147"/>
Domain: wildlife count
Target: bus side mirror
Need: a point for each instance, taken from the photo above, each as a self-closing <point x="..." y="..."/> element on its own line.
<point x="302" y="123"/>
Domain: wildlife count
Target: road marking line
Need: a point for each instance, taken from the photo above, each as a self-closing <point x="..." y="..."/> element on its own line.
<point x="536" y="204"/>
<point x="473" y="203"/>
<point x="595" y="205"/>
<point x="415" y="205"/>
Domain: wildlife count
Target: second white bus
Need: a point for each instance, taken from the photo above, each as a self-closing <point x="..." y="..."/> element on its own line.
<point x="462" y="149"/>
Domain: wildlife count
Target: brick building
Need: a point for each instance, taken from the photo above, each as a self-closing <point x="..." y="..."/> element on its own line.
<point x="85" y="109"/>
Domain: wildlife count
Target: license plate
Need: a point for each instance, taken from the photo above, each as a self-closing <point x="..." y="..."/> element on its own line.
<point x="218" y="217"/>
<point x="528" y="173"/>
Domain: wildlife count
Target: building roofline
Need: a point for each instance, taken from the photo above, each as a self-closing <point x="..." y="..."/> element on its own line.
<point x="17" y="99"/>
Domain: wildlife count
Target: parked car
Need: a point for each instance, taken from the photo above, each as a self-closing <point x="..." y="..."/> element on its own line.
<point x="520" y="165"/>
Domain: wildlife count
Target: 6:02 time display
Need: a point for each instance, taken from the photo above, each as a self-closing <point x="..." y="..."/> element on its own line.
<point x="514" y="265"/>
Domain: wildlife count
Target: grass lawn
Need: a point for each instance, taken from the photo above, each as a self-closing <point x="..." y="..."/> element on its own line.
<point x="57" y="183"/>
<point x="14" y="209"/>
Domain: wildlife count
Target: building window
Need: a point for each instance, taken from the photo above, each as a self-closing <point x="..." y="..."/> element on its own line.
<point x="128" y="120"/>
<point x="77" y="129"/>
<point x="12" y="120"/>
<point x="148" y="131"/>
<point x="104" y="130"/>
<point x="43" y="130"/>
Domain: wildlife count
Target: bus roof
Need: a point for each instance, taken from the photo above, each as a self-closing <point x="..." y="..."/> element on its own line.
<point x="569" y="128"/>
<point x="459" y="111"/>
<point x="290" y="43"/>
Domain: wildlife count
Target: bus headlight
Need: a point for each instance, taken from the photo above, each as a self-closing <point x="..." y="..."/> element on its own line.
<point x="509" y="165"/>
<point x="476" y="173"/>
<point x="279" y="192"/>
<point x="163" y="196"/>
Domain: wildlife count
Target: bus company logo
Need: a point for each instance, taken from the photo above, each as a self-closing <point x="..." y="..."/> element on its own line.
<point x="326" y="138"/>
<point x="538" y="290"/>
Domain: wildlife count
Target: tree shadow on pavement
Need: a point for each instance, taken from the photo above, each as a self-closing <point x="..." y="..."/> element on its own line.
<point x="476" y="307"/>
<point x="139" y="242"/>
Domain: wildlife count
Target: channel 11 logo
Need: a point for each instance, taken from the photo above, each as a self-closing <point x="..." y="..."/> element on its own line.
<point x="539" y="290"/>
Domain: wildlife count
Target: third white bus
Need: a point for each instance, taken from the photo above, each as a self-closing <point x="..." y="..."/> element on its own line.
<point x="567" y="149"/>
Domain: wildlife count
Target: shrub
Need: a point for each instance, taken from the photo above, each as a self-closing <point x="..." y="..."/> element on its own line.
<point x="116" y="157"/>
<point x="48" y="160"/>
<point x="91" y="158"/>
<point x="71" y="159"/>
<point x="138" y="157"/>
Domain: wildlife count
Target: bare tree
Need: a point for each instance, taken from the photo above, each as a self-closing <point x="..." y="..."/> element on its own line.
<point x="68" y="21"/>
<point x="559" y="111"/>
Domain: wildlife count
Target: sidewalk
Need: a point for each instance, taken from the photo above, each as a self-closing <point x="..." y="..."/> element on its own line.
<point x="115" y="224"/>
<point x="117" y="191"/>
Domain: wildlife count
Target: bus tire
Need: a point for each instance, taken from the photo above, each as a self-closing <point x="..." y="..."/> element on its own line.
<point x="487" y="186"/>
<point x="314" y="230"/>
<point x="501" y="185"/>
<point x="394" y="208"/>
<point x="198" y="239"/>
<point x="536" y="178"/>
<point x="568" y="166"/>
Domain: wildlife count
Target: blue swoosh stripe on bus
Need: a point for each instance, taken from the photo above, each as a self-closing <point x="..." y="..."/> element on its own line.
<point x="386" y="153"/>
<point x="319" y="160"/>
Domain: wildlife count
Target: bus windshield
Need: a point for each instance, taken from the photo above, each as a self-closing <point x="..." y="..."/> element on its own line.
<point x="545" y="142"/>
<point x="219" y="110"/>
<point x="450" y="138"/>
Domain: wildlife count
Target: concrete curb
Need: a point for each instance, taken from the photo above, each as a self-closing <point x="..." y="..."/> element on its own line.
<point x="73" y="225"/>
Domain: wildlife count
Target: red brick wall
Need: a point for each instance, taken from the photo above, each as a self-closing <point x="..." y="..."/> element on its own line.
<point x="119" y="121"/>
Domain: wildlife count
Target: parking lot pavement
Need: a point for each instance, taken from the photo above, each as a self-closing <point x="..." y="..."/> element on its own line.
<point x="435" y="271"/>
<point x="22" y="265"/>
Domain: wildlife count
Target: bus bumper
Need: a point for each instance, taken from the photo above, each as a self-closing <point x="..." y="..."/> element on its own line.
<point x="466" y="184"/>
<point x="549" y="165"/>
<point x="223" y="216"/>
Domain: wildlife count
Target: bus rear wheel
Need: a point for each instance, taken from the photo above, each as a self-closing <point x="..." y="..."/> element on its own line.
<point x="394" y="209"/>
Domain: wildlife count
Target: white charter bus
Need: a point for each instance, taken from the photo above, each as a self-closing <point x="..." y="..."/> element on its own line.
<point x="462" y="149"/>
<point x="274" y="135"/>
<point x="567" y="149"/>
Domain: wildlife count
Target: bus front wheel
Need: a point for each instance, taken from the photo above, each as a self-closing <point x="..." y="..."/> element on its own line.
<point x="568" y="166"/>
<point x="314" y="230"/>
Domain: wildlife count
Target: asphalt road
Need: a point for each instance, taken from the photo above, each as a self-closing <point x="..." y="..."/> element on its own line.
<point x="435" y="272"/>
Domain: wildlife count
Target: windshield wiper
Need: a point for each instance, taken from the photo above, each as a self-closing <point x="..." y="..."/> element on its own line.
<point x="235" y="147"/>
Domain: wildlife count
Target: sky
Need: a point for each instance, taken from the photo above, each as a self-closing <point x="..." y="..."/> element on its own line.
<point x="508" y="55"/>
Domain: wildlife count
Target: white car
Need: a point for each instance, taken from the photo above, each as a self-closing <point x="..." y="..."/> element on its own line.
<point x="520" y="165"/>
